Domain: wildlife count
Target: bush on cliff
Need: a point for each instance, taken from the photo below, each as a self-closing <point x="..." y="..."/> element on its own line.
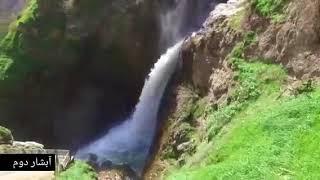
<point x="78" y="170"/>
<point x="270" y="8"/>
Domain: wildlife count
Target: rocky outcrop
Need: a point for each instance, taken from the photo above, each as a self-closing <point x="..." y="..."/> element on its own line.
<point x="22" y="147"/>
<point x="205" y="51"/>
<point x="69" y="66"/>
<point x="8" y="145"/>
<point x="120" y="173"/>
<point x="293" y="42"/>
<point x="205" y="73"/>
<point x="125" y="30"/>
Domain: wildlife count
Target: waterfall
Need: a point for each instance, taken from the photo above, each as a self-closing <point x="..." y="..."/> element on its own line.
<point x="129" y="143"/>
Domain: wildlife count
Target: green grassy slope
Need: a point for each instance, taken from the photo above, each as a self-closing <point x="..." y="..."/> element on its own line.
<point x="271" y="139"/>
<point x="259" y="134"/>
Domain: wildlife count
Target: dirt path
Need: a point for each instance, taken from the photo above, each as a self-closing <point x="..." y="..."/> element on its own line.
<point x="27" y="175"/>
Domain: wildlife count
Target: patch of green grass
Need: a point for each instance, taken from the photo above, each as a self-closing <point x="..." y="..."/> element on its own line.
<point x="78" y="170"/>
<point x="264" y="137"/>
<point x="270" y="8"/>
<point x="253" y="79"/>
<point x="271" y="139"/>
<point x="235" y="21"/>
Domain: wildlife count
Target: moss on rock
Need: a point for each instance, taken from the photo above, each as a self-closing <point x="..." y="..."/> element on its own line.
<point x="5" y="136"/>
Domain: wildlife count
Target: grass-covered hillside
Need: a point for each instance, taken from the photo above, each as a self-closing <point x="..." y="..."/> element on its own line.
<point x="261" y="133"/>
<point x="270" y="139"/>
<point x="269" y="128"/>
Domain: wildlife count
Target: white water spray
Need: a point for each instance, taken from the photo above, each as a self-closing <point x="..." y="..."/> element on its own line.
<point x="130" y="142"/>
<point x="172" y="22"/>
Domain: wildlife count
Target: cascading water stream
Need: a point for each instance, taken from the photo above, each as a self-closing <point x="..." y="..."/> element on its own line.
<point x="130" y="142"/>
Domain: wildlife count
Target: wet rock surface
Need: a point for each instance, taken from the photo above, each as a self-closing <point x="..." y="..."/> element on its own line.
<point x="94" y="59"/>
<point x="205" y="51"/>
<point x="109" y="171"/>
<point x="118" y="173"/>
<point x="293" y="43"/>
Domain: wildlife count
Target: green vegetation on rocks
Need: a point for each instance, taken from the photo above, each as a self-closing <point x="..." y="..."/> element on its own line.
<point x="37" y="33"/>
<point x="270" y="8"/>
<point x="5" y="136"/>
<point x="13" y="63"/>
<point x="258" y="133"/>
<point x="78" y="170"/>
<point x="12" y="40"/>
<point x="271" y="139"/>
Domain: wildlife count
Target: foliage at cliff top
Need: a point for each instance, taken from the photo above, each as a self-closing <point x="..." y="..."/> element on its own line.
<point x="30" y="34"/>
<point x="78" y="170"/>
<point x="271" y="139"/>
<point x="10" y="44"/>
<point x="270" y="8"/>
<point x="12" y="39"/>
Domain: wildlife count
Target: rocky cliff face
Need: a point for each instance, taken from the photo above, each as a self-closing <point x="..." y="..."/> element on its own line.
<point x="68" y="68"/>
<point x="72" y="67"/>
<point x="295" y="42"/>
<point x="204" y="100"/>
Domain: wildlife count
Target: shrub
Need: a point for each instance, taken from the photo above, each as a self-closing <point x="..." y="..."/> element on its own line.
<point x="78" y="170"/>
<point x="270" y="8"/>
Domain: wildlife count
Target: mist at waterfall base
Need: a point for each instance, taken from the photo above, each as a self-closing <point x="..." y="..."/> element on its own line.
<point x="130" y="142"/>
